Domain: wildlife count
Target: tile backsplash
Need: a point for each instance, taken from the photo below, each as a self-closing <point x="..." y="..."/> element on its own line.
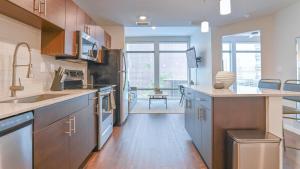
<point x="13" y="32"/>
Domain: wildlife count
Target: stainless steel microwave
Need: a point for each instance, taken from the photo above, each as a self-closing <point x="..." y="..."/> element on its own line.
<point x="87" y="47"/>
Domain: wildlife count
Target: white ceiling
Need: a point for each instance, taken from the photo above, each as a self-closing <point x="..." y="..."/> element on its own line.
<point x="176" y="12"/>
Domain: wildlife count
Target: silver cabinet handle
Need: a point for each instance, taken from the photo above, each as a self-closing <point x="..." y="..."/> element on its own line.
<point x="74" y="124"/>
<point x="70" y="128"/>
<point x="44" y="3"/>
<point x="202" y="114"/>
<point x="34" y="6"/>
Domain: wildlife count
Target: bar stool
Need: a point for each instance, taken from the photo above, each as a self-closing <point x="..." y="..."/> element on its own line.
<point x="291" y="112"/>
<point x="181" y="90"/>
<point x="269" y="84"/>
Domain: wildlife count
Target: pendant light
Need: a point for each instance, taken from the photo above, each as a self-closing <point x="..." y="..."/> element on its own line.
<point x="225" y="7"/>
<point x="204" y="27"/>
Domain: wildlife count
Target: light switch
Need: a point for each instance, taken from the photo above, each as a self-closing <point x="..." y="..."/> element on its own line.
<point x="43" y="67"/>
<point x="52" y="67"/>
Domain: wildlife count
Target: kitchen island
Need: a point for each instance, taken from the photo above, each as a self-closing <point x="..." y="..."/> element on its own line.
<point x="210" y="112"/>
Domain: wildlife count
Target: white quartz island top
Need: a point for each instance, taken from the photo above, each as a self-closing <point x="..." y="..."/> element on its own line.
<point x="11" y="109"/>
<point x="241" y="91"/>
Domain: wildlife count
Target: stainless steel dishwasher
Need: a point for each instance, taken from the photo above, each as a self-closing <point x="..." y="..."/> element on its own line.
<point x="16" y="142"/>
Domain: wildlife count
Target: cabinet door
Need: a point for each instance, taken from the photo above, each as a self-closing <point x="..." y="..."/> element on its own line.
<point x="70" y="35"/>
<point x="83" y="139"/>
<point x="54" y="11"/>
<point x="51" y="146"/>
<point x="25" y="4"/>
<point x="206" y="136"/>
<point x="188" y="112"/>
<point x="107" y="40"/>
<point x="197" y="123"/>
<point x="80" y="17"/>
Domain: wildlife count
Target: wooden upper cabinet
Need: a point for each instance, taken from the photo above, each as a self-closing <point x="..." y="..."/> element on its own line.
<point x="107" y="40"/>
<point x="80" y="23"/>
<point x="29" y="5"/>
<point x="53" y="11"/>
<point x="70" y="28"/>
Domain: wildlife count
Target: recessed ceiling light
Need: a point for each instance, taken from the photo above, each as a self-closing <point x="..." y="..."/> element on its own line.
<point x="225" y="7"/>
<point x="143" y="18"/>
<point x="204" y="26"/>
<point x="153" y="27"/>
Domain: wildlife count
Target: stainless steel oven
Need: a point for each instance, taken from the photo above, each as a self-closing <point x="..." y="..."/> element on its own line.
<point x="105" y="114"/>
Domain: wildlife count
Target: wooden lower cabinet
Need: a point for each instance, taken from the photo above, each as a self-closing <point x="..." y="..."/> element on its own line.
<point x="83" y="139"/>
<point x="65" y="143"/>
<point x="51" y="146"/>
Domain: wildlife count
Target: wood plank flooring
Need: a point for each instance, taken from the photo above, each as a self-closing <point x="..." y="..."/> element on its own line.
<point x="291" y="156"/>
<point x="159" y="141"/>
<point x="148" y="141"/>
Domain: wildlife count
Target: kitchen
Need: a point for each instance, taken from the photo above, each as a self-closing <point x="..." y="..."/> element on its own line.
<point x="64" y="98"/>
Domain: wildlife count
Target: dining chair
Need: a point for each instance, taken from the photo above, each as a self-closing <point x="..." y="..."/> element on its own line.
<point x="270" y="84"/>
<point x="291" y="113"/>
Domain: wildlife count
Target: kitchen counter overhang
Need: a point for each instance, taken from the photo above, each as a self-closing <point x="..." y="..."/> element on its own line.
<point x="11" y="109"/>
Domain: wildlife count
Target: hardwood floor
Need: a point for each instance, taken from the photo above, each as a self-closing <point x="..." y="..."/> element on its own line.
<point x="291" y="156"/>
<point x="148" y="141"/>
<point x="159" y="141"/>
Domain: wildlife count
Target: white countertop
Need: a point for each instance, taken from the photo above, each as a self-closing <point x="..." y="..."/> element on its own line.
<point x="11" y="109"/>
<point x="242" y="91"/>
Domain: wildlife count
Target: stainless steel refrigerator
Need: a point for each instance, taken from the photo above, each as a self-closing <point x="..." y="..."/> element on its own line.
<point x="113" y="71"/>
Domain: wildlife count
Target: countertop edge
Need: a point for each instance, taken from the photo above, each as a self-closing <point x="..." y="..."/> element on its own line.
<point x="12" y="109"/>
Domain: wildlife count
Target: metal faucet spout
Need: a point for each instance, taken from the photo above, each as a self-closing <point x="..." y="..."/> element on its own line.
<point x="14" y="87"/>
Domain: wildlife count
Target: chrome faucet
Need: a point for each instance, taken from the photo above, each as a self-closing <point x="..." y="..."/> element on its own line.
<point x="14" y="87"/>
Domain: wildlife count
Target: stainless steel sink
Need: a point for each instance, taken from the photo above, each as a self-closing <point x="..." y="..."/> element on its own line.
<point x="33" y="99"/>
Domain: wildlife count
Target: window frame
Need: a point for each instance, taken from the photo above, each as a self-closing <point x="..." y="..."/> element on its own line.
<point x="156" y="41"/>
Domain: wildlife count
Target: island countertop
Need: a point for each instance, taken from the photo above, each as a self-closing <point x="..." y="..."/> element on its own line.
<point x="241" y="91"/>
<point x="11" y="109"/>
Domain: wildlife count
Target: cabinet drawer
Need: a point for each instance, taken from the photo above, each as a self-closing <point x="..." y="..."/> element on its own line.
<point x="47" y="115"/>
<point x="204" y="100"/>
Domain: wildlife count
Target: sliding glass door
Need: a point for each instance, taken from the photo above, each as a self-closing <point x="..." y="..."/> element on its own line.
<point x="172" y="66"/>
<point x="141" y="67"/>
<point x="157" y="63"/>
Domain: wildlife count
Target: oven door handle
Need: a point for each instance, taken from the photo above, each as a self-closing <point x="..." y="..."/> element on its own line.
<point x="104" y="94"/>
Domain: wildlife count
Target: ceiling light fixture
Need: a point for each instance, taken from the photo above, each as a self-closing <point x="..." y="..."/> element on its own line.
<point x="153" y="28"/>
<point x="143" y="18"/>
<point x="225" y="7"/>
<point x="204" y="27"/>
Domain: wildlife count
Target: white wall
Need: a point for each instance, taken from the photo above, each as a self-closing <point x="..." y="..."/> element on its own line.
<point x="278" y="33"/>
<point x="117" y="34"/>
<point x="202" y="43"/>
<point x="12" y="32"/>
<point x="286" y="29"/>
<point x="264" y="24"/>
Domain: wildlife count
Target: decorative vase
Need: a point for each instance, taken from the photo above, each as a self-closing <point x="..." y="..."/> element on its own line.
<point x="227" y="78"/>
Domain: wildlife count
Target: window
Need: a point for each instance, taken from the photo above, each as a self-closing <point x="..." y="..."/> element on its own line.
<point x="241" y="54"/>
<point x="248" y="64"/>
<point x="157" y="63"/>
<point x="226" y="57"/>
<point x="141" y="66"/>
<point x="172" y="66"/>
